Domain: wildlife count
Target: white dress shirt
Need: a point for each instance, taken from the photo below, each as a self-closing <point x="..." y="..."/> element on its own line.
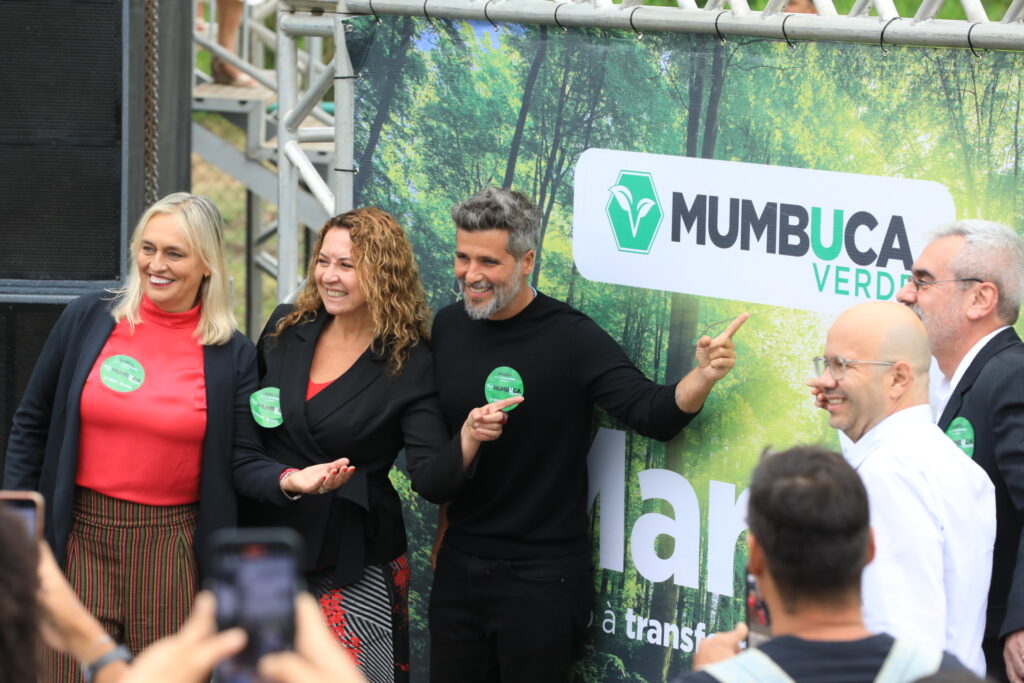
<point x="940" y="388"/>
<point x="933" y="511"/>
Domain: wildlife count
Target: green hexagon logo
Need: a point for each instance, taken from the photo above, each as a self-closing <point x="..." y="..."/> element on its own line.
<point x="634" y="211"/>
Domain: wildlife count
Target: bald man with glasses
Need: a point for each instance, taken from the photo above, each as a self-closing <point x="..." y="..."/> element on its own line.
<point x="932" y="508"/>
<point x="967" y="287"/>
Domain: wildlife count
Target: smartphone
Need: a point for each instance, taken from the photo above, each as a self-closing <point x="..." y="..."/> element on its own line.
<point x="28" y="505"/>
<point x="254" y="577"/>
<point x="759" y="622"/>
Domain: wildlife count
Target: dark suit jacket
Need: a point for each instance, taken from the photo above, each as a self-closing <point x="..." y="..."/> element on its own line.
<point x="42" y="453"/>
<point x="368" y="416"/>
<point x="991" y="396"/>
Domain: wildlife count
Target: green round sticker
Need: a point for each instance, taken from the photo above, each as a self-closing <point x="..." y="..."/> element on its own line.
<point x="503" y="383"/>
<point x="122" y="373"/>
<point x="961" y="431"/>
<point x="266" y="407"/>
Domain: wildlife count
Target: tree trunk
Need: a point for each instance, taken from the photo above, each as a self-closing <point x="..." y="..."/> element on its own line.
<point x="714" y="98"/>
<point x="683" y="319"/>
<point x="524" y="107"/>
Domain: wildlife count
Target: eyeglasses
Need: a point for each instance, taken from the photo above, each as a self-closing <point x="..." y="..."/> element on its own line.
<point x="837" y="365"/>
<point x="918" y="284"/>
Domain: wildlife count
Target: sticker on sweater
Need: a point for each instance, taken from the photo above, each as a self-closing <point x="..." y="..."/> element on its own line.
<point x="266" y="407"/>
<point x="961" y="431"/>
<point x="122" y="373"/>
<point x="503" y="383"/>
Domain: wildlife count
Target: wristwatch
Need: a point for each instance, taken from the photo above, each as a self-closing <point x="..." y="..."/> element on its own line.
<point x="118" y="654"/>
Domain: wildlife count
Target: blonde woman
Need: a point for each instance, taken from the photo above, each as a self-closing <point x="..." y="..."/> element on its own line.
<point x="350" y="366"/>
<point x="135" y="427"/>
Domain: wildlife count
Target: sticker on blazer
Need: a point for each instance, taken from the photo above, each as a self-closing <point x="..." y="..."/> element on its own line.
<point x="266" y="407"/>
<point x="961" y="431"/>
<point x="122" y="373"/>
<point x="502" y="383"/>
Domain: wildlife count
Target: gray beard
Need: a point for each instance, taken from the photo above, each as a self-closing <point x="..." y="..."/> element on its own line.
<point x="503" y="296"/>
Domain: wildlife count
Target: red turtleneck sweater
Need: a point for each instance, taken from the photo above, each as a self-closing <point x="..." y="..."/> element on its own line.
<point x="142" y="441"/>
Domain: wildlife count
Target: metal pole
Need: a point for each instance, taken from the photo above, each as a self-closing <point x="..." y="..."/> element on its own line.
<point x="310" y="175"/>
<point x="287" y="178"/>
<point x="344" y="119"/>
<point x="1006" y="35"/>
<point x="294" y="118"/>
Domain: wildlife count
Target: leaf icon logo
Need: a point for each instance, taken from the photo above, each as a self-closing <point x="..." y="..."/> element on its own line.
<point x="633" y="211"/>
<point x="625" y="200"/>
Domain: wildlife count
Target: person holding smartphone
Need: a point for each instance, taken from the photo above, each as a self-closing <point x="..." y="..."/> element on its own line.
<point x="346" y="372"/>
<point x="135" y="427"/>
<point x="810" y="540"/>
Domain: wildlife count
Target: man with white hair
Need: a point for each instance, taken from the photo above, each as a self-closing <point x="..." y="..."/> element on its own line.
<point x="966" y="288"/>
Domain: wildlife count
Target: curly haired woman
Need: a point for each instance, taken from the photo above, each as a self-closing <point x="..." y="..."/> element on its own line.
<point x="345" y="371"/>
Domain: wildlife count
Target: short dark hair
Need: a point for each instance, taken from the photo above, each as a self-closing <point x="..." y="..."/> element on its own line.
<point x="808" y="510"/>
<point x="495" y="208"/>
<point x="19" y="609"/>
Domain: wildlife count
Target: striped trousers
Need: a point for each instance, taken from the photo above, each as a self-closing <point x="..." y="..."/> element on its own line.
<point x="133" y="567"/>
<point x="371" y="618"/>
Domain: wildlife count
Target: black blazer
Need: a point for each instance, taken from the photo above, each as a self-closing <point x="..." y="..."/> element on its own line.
<point x="991" y="396"/>
<point x="42" y="453"/>
<point x="368" y="416"/>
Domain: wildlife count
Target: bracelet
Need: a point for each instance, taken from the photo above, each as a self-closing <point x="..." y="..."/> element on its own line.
<point x="280" y="482"/>
<point x="118" y="654"/>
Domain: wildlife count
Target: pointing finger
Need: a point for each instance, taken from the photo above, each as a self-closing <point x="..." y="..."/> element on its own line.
<point x="735" y="325"/>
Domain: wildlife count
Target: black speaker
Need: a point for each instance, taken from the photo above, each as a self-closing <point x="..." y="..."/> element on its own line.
<point x="72" y="117"/>
<point x="66" y="128"/>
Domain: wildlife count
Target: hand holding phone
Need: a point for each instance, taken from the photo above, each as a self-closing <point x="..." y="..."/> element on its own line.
<point x="758" y="620"/>
<point x="255" y="580"/>
<point x="28" y="505"/>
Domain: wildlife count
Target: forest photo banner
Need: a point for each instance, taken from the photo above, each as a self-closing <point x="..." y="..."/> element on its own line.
<point x="444" y="107"/>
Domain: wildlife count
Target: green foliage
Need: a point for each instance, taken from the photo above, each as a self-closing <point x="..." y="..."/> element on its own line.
<point x="462" y="104"/>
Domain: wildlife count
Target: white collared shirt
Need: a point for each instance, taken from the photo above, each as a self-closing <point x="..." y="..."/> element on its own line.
<point x="940" y="388"/>
<point x="933" y="512"/>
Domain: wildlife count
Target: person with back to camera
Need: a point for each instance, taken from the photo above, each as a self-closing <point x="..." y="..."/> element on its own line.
<point x="135" y="427"/>
<point x="349" y="366"/>
<point x="810" y="539"/>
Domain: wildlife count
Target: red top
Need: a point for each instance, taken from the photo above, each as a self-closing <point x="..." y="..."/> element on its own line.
<point x="144" y="411"/>
<point x="314" y="388"/>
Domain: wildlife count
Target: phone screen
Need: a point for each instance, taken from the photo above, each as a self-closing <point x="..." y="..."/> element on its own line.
<point x="254" y="582"/>
<point x="28" y="507"/>
<point x="758" y="620"/>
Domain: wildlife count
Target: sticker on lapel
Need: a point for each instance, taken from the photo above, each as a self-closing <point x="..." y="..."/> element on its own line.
<point x="961" y="431"/>
<point x="502" y="383"/>
<point x="266" y="407"/>
<point x="122" y="373"/>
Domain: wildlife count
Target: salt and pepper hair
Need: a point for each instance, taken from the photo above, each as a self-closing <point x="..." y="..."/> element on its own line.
<point x="495" y="208"/>
<point x="994" y="253"/>
<point x="203" y="231"/>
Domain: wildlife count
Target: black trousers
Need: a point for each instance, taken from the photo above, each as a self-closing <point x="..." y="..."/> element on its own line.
<point x="994" y="662"/>
<point x="507" y="620"/>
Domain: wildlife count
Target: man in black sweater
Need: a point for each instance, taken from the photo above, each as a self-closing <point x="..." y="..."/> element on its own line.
<point x="513" y="585"/>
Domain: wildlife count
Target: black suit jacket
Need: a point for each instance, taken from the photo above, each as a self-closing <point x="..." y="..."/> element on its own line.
<point x="990" y="396"/>
<point x="42" y="453"/>
<point x="367" y="415"/>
